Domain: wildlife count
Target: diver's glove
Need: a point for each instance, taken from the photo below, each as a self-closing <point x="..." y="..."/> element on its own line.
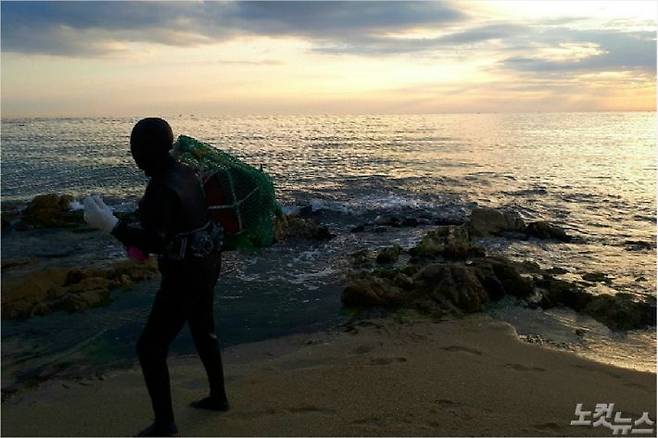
<point x="98" y="214"/>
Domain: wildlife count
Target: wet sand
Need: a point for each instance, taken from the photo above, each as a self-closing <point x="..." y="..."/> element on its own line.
<point x="461" y="377"/>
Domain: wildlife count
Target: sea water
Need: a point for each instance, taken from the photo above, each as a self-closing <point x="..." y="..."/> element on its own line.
<point x="591" y="173"/>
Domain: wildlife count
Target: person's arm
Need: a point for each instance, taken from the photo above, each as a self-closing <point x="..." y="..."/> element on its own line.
<point x="156" y="213"/>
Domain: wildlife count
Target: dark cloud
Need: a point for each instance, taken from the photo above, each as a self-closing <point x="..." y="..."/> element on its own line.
<point x="327" y="19"/>
<point x="357" y="28"/>
<point x="81" y="28"/>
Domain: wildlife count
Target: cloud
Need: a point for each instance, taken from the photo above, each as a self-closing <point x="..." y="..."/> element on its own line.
<point x="376" y="45"/>
<point x="88" y="28"/>
<point x="616" y="50"/>
<point x="354" y="28"/>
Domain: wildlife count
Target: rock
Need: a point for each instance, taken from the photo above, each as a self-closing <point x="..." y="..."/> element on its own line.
<point x="513" y="282"/>
<point x="20" y="295"/>
<point x="403" y="281"/>
<point x="371" y="290"/>
<point x="409" y="222"/>
<point x="556" y="292"/>
<point x="546" y="230"/>
<point x="289" y="227"/>
<point x="70" y="289"/>
<point x="449" y="220"/>
<point x="621" y="311"/>
<point x="361" y="258"/>
<point x="391" y="221"/>
<point x="358" y="229"/>
<point x="485" y="221"/>
<point x="49" y="210"/>
<point x="305" y="211"/>
<point x="389" y="255"/>
<point x="451" y="241"/>
<point x="453" y="286"/>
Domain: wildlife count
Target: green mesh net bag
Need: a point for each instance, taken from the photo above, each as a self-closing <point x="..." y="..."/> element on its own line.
<point x="240" y="197"/>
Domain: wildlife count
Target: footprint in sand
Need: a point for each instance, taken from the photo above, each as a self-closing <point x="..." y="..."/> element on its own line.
<point x="459" y="348"/>
<point x="519" y="367"/>
<point x="362" y="349"/>
<point x="547" y="426"/>
<point x="445" y="402"/>
<point x="387" y="360"/>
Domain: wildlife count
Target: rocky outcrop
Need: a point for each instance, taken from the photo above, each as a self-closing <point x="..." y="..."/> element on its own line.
<point x="291" y="227"/>
<point x="547" y="231"/>
<point x="451" y="241"/>
<point x="621" y="311"/>
<point x="485" y="221"/>
<point x="69" y="289"/>
<point x="389" y="255"/>
<point x="448" y="274"/>
<point x="51" y="210"/>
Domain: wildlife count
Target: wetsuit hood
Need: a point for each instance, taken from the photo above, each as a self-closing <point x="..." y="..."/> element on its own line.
<point x="150" y="142"/>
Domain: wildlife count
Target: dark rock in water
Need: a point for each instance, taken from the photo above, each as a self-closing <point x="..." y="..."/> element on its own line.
<point x="361" y="258"/>
<point x="391" y="221"/>
<point x="597" y="277"/>
<point x="51" y="210"/>
<point x="485" y="221"/>
<point x="546" y="230"/>
<point x="439" y="287"/>
<point x="69" y="289"/>
<point x="621" y="311"/>
<point x="449" y="221"/>
<point x="372" y="291"/>
<point x="410" y="222"/>
<point x="389" y="255"/>
<point x="493" y="222"/>
<point x="358" y="229"/>
<point x="451" y="241"/>
<point x="448" y="275"/>
<point x="556" y="292"/>
<point x="294" y="227"/>
<point x="305" y="211"/>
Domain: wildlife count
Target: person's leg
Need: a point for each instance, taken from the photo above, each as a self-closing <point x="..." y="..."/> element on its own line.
<point x="164" y="323"/>
<point x="202" y="327"/>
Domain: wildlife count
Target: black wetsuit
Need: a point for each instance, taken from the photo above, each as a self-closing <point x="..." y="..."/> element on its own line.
<point x="174" y="203"/>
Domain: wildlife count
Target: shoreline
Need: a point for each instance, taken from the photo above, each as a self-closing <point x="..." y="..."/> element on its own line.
<point x="469" y="376"/>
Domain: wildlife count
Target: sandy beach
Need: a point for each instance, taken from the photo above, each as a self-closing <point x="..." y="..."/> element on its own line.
<point x="469" y="376"/>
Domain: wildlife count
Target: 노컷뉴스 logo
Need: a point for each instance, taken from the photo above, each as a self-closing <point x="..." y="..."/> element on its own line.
<point x="617" y="423"/>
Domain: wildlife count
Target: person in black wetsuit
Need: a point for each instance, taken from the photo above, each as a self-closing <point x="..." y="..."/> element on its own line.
<point x="173" y="223"/>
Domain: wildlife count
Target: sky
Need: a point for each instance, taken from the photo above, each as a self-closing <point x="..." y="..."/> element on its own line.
<point x="213" y="58"/>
